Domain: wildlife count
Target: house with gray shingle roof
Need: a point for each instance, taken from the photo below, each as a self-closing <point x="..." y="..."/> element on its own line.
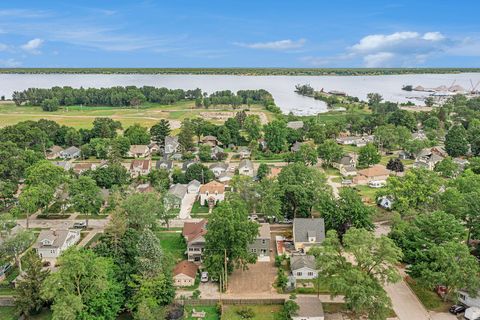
<point x="176" y="197"/>
<point x="295" y="125"/>
<point x="51" y="243"/>
<point x="308" y="232"/>
<point x="245" y="167"/>
<point x="70" y="153"/>
<point x="310" y="308"/>
<point x="303" y="266"/>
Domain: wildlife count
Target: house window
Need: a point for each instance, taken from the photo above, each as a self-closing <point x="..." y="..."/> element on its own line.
<point x="254" y="250"/>
<point x="299" y="274"/>
<point x="264" y="241"/>
<point x="462" y="296"/>
<point x="310" y="274"/>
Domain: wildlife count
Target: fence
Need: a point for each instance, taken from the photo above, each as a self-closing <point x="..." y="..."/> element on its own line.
<point x="227" y="301"/>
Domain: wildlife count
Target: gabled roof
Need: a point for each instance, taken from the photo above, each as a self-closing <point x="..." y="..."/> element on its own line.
<point x="309" y="307"/>
<point x="213" y="187"/>
<point x="376" y="170"/>
<point x="264" y="231"/>
<point x="193" y="230"/>
<point x="222" y="165"/>
<point x="142" y="164"/>
<point x="171" y="140"/>
<point x="345" y="160"/>
<point x="303" y="226"/>
<point x="246" y="163"/>
<point x="55" y="149"/>
<point x="195" y="183"/>
<point x="57" y="238"/>
<point x="138" y="148"/>
<point x="178" y="190"/>
<point x="164" y="163"/>
<point x="295" y="124"/>
<point x="187" y="268"/>
<point x="298" y="261"/>
<point x="71" y="150"/>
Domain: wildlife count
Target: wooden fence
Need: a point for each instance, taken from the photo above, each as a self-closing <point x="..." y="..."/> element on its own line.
<point x="227" y="301"/>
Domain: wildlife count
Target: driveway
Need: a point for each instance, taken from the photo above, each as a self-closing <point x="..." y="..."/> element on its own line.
<point x="186" y="207"/>
<point x="335" y="186"/>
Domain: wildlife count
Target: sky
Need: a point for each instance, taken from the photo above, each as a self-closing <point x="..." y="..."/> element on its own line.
<point x="243" y="33"/>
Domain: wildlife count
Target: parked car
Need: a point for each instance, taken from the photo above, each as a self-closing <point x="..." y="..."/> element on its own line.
<point x="457" y="309"/>
<point x="204" y="276"/>
<point x="80" y="225"/>
<point x="472" y="313"/>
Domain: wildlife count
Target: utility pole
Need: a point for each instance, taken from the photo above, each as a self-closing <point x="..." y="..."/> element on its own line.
<point x="225" y="258"/>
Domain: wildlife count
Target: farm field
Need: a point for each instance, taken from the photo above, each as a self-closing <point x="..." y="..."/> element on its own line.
<point x="145" y="115"/>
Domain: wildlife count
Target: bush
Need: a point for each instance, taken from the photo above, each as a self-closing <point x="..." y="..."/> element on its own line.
<point x="246" y="313"/>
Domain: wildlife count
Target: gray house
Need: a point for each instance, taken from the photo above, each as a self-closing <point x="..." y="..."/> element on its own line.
<point x="177" y="194"/>
<point x="308" y="232"/>
<point x="261" y="245"/>
<point x="171" y="145"/>
<point x="70" y="153"/>
<point x="245" y="167"/>
<point x="164" y="165"/>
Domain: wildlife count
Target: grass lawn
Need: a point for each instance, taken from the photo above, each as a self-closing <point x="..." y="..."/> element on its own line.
<point x="173" y="243"/>
<point x="351" y="148"/>
<point x="8" y="313"/>
<point x="430" y="299"/>
<point x="7" y="291"/>
<point x="262" y="312"/>
<point x="91" y="216"/>
<point x="367" y="192"/>
<point x="322" y="287"/>
<point x="334" y="307"/>
<point x="92" y="241"/>
<point x="329" y="171"/>
<point x="197" y="208"/>
<point x="211" y="312"/>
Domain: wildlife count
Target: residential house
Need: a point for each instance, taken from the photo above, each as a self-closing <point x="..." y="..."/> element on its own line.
<point x="346" y="165"/>
<point x="138" y="151"/>
<point x="225" y="177"/>
<point x="154" y="148"/>
<point x="145" y="188"/>
<point x="245" y="167"/>
<point x="212" y="193"/>
<point x="468" y="300"/>
<point x="215" y="151"/>
<point x="171" y="145"/>
<point x="194" y="234"/>
<point x="188" y="163"/>
<point x="295" y="125"/>
<point x="176" y="157"/>
<point x="70" y="153"/>
<point x="218" y="168"/>
<point x="51" y="243"/>
<point x="244" y="152"/>
<point x="296" y="146"/>
<point x="211" y="141"/>
<point x="164" y="165"/>
<point x="376" y="175"/>
<point x="427" y="158"/>
<point x="310" y="308"/>
<point x="177" y="192"/>
<point x="274" y="172"/>
<point x="184" y="274"/>
<point x="419" y="135"/>
<point x="193" y="187"/>
<point x="80" y="168"/>
<point x="140" y="167"/>
<point x="54" y="152"/>
<point x="261" y="245"/>
<point x="303" y="266"/>
<point x="308" y="232"/>
<point x="359" y="141"/>
<point x="63" y="164"/>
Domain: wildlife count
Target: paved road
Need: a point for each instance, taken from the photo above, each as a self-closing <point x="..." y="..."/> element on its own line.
<point x="61" y="223"/>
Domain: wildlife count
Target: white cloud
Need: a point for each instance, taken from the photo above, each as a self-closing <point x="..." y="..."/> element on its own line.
<point x="381" y="59"/>
<point x="274" y="45"/>
<point x="33" y="46"/>
<point x="10" y="63"/>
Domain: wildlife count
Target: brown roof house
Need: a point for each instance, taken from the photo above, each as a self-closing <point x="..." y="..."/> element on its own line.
<point x="375" y="176"/>
<point x="138" y="151"/>
<point x="212" y="193"/>
<point x="140" y="167"/>
<point x="184" y="274"/>
<point x="51" y="243"/>
<point x="80" y="168"/>
<point x="54" y="152"/>
<point x="212" y="141"/>
<point x="194" y="234"/>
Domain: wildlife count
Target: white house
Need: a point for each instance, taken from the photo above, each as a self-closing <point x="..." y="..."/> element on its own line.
<point x="310" y="308"/>
<point x="138" y="151"/>
<point x="171" y="145"/>
<point x="467" y="300"/>
<point x="51" y="243"/>
<point x="184" y="274"/>
<point x="70" y="153"/>
<point x="303" y="266"/>
<point x="212" y="193"/>
<point x="218" y="168"/>
<point x="245" y="167"/>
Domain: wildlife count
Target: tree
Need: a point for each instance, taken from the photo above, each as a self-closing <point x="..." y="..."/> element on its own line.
<point x="390" y="137"/>
<point x="44" y="172"/>
<point x="269" y="202"/>
<point x="447" y="168"/>
<point x="143" y="210"/>
<point x="348" y="211"/>
<point x="276" y="136"/>
<point x="50" y="105"/>
<point x="73" y="137"/>
<point x="417" y="189"/>
<point x="159" y="131"/>
<point x="395" y="164"/>
<point x="118" y="149"/>
<point x="205" y="153"/>
<point x="306" y="154"/>
<point x="374" y="98"/>
<point x="456" y="143"/>
<point x="229" y="234"/>
<point x="159" y="179"/>
<point x="35" y="197"/>
<point x="85" y="196"/>
<point x="105" y="128"/>
<point x="429" y="102"/>
<point x="374" y="260"/>
<point x="253" y="127"/>
<point x="28" y="300"/>
<point x="185" y="137"/>
<point x="262" y="171"/>
<point x="300" y="188"/>
<point x="13" y="246"/>
<point x="149" y="255"/>
<point x="452" y="266"/>
<point x="330" y="151"/>
<point x="199" y="172"/>
<point x="83" y="287"/>
<point x="368" y="156"/>
<point x="112" y="175"/>
<point x="403" y="118"/>
<point x="137" y="134"/>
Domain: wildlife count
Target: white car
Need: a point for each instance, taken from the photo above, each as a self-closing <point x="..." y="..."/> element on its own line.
<point x="204" y="276"/>
<point x="472" y="313"/>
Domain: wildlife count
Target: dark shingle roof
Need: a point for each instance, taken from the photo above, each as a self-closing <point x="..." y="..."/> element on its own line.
<point x="303" y="226"/>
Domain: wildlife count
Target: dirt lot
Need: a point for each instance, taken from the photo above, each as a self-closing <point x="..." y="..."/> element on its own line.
<point x="257" y="279"/>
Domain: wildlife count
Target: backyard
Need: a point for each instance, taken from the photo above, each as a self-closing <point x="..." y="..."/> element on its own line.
<point x="260" y="312"/>
<point x="211" y="312"/>
<point x="173" y="244"/>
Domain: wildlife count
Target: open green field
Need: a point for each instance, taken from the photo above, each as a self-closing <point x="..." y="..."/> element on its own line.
<point x="261" y="312"/>
<point x="146" y="115"/>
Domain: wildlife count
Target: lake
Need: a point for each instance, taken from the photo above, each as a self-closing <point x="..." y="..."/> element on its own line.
<point x="281" y="87"/>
